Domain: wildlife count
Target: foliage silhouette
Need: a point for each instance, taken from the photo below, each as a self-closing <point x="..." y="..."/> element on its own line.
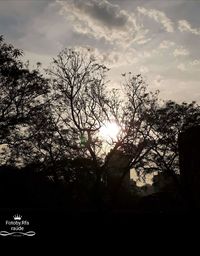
<point x="21" y="97"/>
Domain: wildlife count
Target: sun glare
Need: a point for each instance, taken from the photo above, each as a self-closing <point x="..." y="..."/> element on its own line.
<point x="110" y="131"/>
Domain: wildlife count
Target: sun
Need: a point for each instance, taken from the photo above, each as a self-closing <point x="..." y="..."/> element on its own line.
<point x="110" y="131"/>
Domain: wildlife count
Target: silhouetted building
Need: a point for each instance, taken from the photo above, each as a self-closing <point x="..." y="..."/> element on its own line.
<point x="189" y="149"/>
<point x="163" y="182"/>
<point x="117" y="166"/>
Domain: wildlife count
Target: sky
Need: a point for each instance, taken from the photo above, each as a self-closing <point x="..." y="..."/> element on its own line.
<point x="159" y="39"/>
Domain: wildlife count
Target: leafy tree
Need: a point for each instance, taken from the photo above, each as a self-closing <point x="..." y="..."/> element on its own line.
<point x="56" y="123"/>
<point x="169" y="121"/>
<point x="22" y="93"/>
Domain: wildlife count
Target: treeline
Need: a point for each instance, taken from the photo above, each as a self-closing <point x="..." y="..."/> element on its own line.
<point x="50" y="124"/>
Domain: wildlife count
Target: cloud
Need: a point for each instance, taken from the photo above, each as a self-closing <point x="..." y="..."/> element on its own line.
<point x="143" y="41"/>
<point x="182" y="67"/>
<point x="102" y="11"/>
<point x="166" y="44"/>
<point x="181" y="51"/>
<point x="195" y="62"/>
<point x="191" y="66"/>
<point x="157" y="81"/>
<point x="112" y="59"/>
<point x="102" y="19"/>
<point x="158" y="16"/>
<point x="143" y="69"/>
<point x="185" y="26"/>
<point x="145" y="54"/>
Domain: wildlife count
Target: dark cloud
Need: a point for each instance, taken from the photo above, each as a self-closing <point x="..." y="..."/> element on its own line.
<point x="103" y="11"/>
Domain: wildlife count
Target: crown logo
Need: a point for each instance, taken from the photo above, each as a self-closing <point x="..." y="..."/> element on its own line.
<point x="17" y="217"/>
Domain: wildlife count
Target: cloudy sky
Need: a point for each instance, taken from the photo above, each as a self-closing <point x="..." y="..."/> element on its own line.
<point x="157" y="38"/>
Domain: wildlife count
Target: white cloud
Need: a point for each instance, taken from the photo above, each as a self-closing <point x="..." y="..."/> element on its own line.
<point x="145" y="54"/>
<point x="192" y="66"/>
<point x="101" y="19"/>
<point x="144" y="41"/>
<point x="157" y="80"/>
<point x="144" y="69"/>
<point x="166" y="44"/>
<point x="181" y="51"/>
<point x="185" y="26"/>
<point x="182" y="67"/>
<point x="112" y="58"/>
<point x="158" y="16"/>
<point x="195" y="62"/>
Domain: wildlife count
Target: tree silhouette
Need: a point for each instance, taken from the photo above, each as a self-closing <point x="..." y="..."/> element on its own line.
<point x="54" y="125"/>
<point x="21" y="95"/>
<point x="169" y="121"/>
<point x="81" y="105"/>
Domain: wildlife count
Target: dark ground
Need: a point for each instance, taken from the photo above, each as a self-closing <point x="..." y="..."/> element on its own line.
<point x="52" y="216"/>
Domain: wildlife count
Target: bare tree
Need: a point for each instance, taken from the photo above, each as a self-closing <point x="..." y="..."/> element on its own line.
<point x="82" y="105"/>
